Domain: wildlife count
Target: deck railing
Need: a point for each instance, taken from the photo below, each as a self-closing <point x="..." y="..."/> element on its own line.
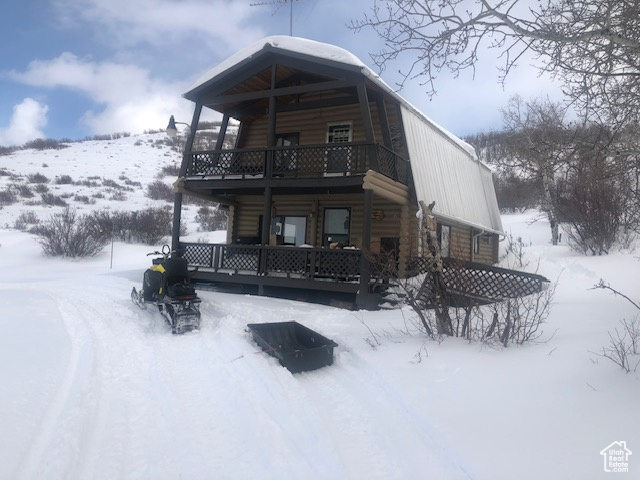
<point x="311" y="263"/>
<point x="480" y="281"/>
<point x="343" y="159"/>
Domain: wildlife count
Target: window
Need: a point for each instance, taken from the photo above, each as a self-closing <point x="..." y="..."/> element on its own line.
<point x="339" y="133"/>
<point x="444" y="237"/>
<point x="336" y="226"/>
<point x="476" y="241"/>
<point x="290" y="230"/>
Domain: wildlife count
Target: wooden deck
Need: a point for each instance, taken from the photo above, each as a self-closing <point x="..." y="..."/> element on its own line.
<point x="323" y="269"/>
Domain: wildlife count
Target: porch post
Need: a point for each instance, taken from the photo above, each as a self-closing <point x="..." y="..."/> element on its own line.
<point x="363" y="298"/>
<point x="266" y="233"/>
<point x="365" y="112"/>
<point x="384" y="122"/>
<point x="175" y="227"/>
<point x="266" y="216"/>
<point x="222" y="132"/>
<point x="271" y="125"/>
<point x="177" y="197"/>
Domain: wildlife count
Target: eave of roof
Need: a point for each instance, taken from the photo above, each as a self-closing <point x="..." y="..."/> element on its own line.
<point x="318" y="51"/>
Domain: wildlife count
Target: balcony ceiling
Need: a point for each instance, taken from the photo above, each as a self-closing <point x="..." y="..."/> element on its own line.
<point x="244" y="102"/>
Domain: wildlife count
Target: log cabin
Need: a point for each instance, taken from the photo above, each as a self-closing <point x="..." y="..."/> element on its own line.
<point x="326" y="176"/>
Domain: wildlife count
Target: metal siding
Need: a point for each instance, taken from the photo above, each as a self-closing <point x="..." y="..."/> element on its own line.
<point x="446" y="172"/>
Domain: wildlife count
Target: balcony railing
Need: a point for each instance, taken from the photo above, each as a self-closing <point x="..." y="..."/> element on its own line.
<point x="311" y="263"/>
<point x="327" y="160"/>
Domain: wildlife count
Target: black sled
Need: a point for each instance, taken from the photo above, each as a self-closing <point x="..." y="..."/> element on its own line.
<point x="167" y="285"/>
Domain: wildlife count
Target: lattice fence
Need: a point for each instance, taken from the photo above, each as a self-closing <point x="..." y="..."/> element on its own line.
<point x="340" y="159"/>
<point x="339" y="263"/>
<point x="287" y="261"/>
<point x="475" y="280"/>
<point x="227" y="163"/>
<point x="198" y="254"/>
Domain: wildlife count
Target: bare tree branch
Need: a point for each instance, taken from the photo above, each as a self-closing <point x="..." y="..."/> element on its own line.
<point x="593" y="46"/>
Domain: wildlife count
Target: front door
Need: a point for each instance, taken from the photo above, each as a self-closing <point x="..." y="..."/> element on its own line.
<point x="286" y="160"/>
<point x="336" y="226"/>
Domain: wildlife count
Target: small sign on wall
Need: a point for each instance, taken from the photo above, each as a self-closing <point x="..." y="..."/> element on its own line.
<point x="377" y="215"/>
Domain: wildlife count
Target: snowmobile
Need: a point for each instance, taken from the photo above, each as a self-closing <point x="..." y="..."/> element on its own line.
<point x="167" y="285"/>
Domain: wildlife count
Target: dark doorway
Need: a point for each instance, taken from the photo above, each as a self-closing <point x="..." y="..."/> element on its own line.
<point x="336" y="226"/>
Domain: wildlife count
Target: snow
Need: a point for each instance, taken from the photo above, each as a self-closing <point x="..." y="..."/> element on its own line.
<point x="293" y="44"/>
<point x="93" y="387"/>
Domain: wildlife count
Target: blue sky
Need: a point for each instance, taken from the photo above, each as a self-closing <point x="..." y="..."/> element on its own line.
<point x="75" y="68"/>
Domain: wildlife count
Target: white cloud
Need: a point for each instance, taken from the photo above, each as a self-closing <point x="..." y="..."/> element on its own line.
<point x="133" y="102"/>
<point x="468" y="103"/>
<point x="214" y="23"/>
<point x="27" y="121"/>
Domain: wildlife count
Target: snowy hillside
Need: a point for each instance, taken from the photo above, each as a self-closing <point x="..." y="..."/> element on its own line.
<point x="94" y="388"/>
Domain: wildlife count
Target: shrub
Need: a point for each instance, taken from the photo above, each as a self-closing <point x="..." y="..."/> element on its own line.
<point x="87" y="183"/>
<point x="133" y="183"/>
<point x="110" y="183"/>
<point x="7" y="150"/>
<point x="170" y="170"/>
<point x="516" y="194"/>
<point x="118" y="196"/>
<point x="148" y="226"/>
<point x="25" y="219"/>
<point x="68" y="235"/>
<point x="41" y="188"/>
<point x="53" y="200"/>
<point x="110" y="223"/>
<point x="593" y="211"/>
<point x="24" y="191"/>
<point x="37" y="178"/>
<point x="191" y="200"/>
<point x="159" y="190"/>
<point x="45" y="144"/>
<point x="84" y="199"/>
<point x="64" y="180"/>
<point x="211" y="219"/>
<point x="7" y="197"/>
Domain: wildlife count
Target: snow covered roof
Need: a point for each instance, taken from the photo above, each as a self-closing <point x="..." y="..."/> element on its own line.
<point x="463" y="193"/>
<point x="321" y="50"/>
<point x="291" y="44"/>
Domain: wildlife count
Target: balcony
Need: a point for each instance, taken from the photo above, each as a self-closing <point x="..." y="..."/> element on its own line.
<point x="300" y="161"/>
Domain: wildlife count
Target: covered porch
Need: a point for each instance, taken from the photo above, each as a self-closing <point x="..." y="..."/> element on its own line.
<point x="350" y="272"/>
<point x="321" y="270"/>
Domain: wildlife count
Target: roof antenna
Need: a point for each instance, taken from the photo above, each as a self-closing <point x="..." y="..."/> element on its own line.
<point x="278" y="4"/>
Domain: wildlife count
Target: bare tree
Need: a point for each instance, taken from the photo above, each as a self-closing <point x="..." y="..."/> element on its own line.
<point x="593" y="46"/>
<point x="623" y="346"/>
<point x="589" y="198"/>
<point x="537" y="145"/>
